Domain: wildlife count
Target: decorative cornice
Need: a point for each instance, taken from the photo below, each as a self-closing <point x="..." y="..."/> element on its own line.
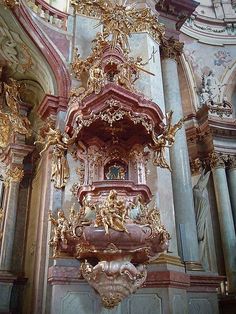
<point x="210" y="30"/>
<point x="204" y="283"/>
<point x="171" y="48"/>
<point x="180" y="10"/>
<point x="14" y="174"/>
<point x="51" y="105"/>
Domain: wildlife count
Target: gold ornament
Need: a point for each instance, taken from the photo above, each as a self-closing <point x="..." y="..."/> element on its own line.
<point x="166" y="139"/>
<point x="112" y="214"/>
<point x="61" y="226"/>
<point x="60" y="141"/>
<point x="120" y="21"/>
<point x="12" y="121"/>
<point x="10" y="3"/>
<point x="14" y="174"/>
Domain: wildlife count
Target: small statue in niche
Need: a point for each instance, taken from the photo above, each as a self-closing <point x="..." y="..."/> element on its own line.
<point x="116" y="172"/>
<point x="202" y="207"/>
<point x="210" y="89"/>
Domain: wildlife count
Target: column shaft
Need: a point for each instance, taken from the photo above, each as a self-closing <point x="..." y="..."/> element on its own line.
<point x="9" y="227"/>
<point x="226" y="225"/>
<point x="232" y="191"/>
<point x="181" y="176"/>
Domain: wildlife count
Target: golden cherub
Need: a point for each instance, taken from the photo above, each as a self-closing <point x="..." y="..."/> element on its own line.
<point x="61" y="227"/>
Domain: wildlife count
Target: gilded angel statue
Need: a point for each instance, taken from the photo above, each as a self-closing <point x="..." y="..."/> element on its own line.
<point x="60" y="142"/>
<point x="166" y="139"/>
<point x="12" y="120"/>
<point x="61" y="227"/>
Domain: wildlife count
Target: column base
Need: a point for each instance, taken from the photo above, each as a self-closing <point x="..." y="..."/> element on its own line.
<point x="194" y="266"/>
<point x="11" y="292"/>
<point x="168" y="259"/>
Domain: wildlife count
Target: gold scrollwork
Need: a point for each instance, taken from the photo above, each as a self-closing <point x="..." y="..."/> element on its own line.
<point x="120" y="21"/>
<point x="112" y="114"/>
<point x="14" y="174"/>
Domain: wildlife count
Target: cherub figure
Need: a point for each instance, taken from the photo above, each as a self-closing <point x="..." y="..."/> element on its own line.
<point x="61" y="227"/>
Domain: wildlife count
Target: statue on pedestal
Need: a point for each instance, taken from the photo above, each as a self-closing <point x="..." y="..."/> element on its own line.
<point x="202" y="207"/>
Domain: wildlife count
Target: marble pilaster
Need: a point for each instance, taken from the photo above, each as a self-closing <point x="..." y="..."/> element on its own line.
<point x="181" y="176"/>
<point x="225" y="219"/>
<point x="231" y="175"/>
<point x="158" y="179"/>
<point x="14" y="177"/>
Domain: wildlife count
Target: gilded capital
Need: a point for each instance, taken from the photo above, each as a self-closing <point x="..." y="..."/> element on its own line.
<point x="171" y="48"/>
<point x="10" y="3"/>
<point x="216" y="160"/>
<point x="231" y="162"/>
<point x="13" y="175"/>
<point x="196" y="166"/>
